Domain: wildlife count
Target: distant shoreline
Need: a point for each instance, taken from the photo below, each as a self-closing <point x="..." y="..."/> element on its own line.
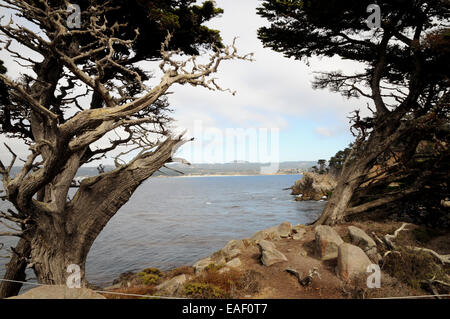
<point x="226" y="175"/>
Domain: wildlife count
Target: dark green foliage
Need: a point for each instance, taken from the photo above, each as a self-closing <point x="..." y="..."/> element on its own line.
<point x="337" y="161"/>
<point x="405" y="74"/>
<point x="305" y="28"/>
<point x="203" y="291"/>
<point x="153" y="20"/>
<point x="3" y="88"/>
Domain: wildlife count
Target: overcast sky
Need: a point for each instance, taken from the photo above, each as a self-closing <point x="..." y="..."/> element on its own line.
<point x="273" y="93"/>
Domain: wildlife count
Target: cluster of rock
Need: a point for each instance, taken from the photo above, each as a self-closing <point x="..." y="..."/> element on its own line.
<point x="284" y="230"/>
<point x="313" y="186"/>
<point x="228" y="257"/>
<point x="352" y="259"/>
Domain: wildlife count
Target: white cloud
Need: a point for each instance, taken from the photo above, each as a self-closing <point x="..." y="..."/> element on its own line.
<point x="269" y="90"/>
<point x="272" y="92"/>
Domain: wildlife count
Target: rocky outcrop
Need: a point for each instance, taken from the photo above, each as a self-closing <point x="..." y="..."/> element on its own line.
<point x="201" y="265"/>
<point x="360" y="238"/>
<point x="234" y="263"/>
<point x="266" y="234"/>
<point x="273" y="233"/>
<point x="327" y="242"/>
<point x="352" y="261"/>
<point x="232" y="249"/>
<point x="172" y="286"/>
<point x="59" y="292"/>
<point x="269" y="253"/>
<point x="365" y="242"/>
<point x="298" y="231"/>
<point x="314" y="186"/>
<point x="284" y="230"/>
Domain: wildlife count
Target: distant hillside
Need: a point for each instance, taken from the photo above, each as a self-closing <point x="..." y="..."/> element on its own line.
<point x="242" y="168"/>
<point x="235" y="168"/>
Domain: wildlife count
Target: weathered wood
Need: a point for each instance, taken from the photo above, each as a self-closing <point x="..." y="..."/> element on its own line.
<point x="15" y="270"/>
<point x="60" y="230"/>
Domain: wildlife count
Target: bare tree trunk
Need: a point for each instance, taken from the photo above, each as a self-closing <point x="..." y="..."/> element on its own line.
<point x="15" y="270"/>
<point x="98" y="199"/>
<point x="355" y="171"/>
<point x="52" y="254"/>
<point x="348" y="182"/>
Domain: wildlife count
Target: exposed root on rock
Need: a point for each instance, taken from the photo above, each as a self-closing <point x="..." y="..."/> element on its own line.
<point x="308" y="279"/>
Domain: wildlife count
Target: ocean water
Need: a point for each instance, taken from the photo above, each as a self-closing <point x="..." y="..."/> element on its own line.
<point x="174" y="221"/>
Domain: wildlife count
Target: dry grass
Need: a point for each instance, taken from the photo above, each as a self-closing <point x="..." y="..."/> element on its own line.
<point x="135" y="290"/>
<point x="250" y="282"/>
<point x="390" y="287"/>
<point x="230" y="284"/>
<point x="411" y="267"/>
<point x="183" y="270"/>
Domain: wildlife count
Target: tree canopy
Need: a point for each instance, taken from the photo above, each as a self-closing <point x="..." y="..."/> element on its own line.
<point x="141" y="27"/>
<point x="405" y="74"/>
<point x="88" y="84"/>
<point x="305" y="28"/>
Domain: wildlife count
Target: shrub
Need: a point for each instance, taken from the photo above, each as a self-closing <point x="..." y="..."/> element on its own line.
<point x="149" y="279"/>
<point x="411" y="267"/>
<point x="249" y="282"/>
<point x="424" y="234"/>
<point x="230" y="284"/>
<point x="154" y="271"/>
<point x="213" y="267"/>
<point x="204" y="291"/>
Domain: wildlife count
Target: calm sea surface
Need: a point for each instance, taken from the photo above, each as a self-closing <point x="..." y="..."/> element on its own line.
<point x="170" y="222"/>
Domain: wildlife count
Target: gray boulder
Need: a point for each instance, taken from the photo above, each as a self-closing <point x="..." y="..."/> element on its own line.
<point x="269" y="233"/>
<point x="232" y="249"/>
<point x="327" y="242"/>
<point x="352" y="261"/>
<point x="273" y="233"/>
<point x="360" y="238"/>
<point x="298" y="231"/>
<point x="201" y="265"/>
<point x="269" y="254"/>
<point x="234" y="263"/>
<point x="172" y="286"/>
<point x="284" y="230"/>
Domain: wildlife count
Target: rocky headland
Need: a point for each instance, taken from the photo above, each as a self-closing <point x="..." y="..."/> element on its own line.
<point x="286" y="262"/>
<point x="301" y="261"/>
<point x="313" y="186"/>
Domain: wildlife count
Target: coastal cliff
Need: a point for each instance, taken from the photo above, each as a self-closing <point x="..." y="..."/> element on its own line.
<point x="313" y="186"/>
